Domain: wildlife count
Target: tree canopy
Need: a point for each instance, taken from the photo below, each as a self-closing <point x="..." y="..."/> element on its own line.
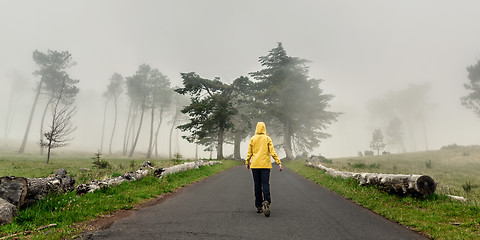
<point x="472" y="100"/>
<point x="296" y="102"/>
<point x="210" y="111"/>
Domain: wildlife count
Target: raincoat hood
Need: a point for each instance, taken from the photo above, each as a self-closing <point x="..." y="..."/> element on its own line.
<point x="261" y="129"/>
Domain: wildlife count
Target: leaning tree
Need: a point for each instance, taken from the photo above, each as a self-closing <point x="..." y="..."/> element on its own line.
<point x="51" y="65"/>
<point x="296" y="102"/>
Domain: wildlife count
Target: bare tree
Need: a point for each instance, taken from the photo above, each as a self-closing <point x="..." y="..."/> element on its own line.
<point x="377" y="143"/>
<point x="61" y="126"/>
<point x="50" y="64"/>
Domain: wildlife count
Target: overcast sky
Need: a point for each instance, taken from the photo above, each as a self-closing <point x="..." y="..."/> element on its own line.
<point x="361" y="49"/>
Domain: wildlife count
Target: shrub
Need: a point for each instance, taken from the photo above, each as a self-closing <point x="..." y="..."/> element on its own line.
<point x="428" y="164"/>
<point x="451" y="146"/>
<point x="368" y="153"/>
<point x="357" y="165"/>
<point x="468" y="186"/>
<point x="98" y="162"/>
<point x="360" y="154"/>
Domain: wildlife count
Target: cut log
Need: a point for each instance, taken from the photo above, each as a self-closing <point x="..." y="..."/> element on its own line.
<point x="139" y="174"/>
<point x="25" y="191"/>
<point x="185" y="166"/>
<point x="398" y="183"/>
<point x="13" y="189"/>
<point x="39" y="188"/>
<point x="8" y="211"/>
<point x="130" y="176"/>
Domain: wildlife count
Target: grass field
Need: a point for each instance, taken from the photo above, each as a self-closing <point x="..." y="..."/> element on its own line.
<point x="454" y="168"/>
<point x="437" y="215"/>
<point x="68" y="210"/>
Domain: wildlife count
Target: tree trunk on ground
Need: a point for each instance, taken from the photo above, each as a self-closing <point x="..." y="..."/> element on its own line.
<point x="8" y="211"/>
<point x="287" y="141"/>
<point x="25" y="137"/>
<point x="25" y="191"/>
<point x="156" y="132"/>
<point x="236" y="148"/>
<point x="134" y="144"/>
<point x="13" y="189"/>
<point x="130" y="176"/>
<point x="125" y="137"/>
<point x="150" y="142"/>
<point x="220" y="144"/>
<point x="114" y="126"/>
<point x="397" y="183"/>
<point x="103" y="126"/>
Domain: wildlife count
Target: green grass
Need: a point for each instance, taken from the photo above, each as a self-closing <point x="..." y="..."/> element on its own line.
<point x="451" y="168"/>
<point x="67" y="209"/>
<point x="435" y="215"/>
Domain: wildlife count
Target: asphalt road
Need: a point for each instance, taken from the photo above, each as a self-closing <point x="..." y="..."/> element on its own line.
<point x="222" y="207"/>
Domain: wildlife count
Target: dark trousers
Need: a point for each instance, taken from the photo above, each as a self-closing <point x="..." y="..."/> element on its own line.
<point x="261" y="182"/>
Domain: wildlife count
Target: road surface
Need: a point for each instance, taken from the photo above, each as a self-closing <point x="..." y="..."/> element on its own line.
<point x="222" y="207"/>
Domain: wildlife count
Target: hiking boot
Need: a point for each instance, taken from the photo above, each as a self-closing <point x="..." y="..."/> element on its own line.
<point x="266" y="208"/>
<point x="259" y="210"/>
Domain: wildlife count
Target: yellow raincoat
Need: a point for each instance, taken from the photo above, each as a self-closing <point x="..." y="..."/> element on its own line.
<point x="260" y="149"/>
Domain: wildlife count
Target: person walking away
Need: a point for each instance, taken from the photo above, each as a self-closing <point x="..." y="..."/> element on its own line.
<point x="258" y="159"/>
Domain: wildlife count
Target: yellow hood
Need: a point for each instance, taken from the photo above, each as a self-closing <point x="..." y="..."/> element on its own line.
<point x="261" y="129"/>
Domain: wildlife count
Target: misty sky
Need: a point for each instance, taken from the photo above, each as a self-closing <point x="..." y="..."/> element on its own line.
<point x="362" y="49"/>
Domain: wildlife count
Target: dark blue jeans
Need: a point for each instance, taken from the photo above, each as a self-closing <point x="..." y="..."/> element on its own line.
<point x="261" y="182"/>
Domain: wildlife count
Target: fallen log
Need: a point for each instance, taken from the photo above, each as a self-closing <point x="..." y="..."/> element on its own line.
<point x="26" y="191"/>
<point x="398" y="183"/>
<point x="8" y="211"/>
<point x="184" y="167"/>
<point x="130" y="176"/>
<point x="139" y="174"/>
<point x="13" y="189"/>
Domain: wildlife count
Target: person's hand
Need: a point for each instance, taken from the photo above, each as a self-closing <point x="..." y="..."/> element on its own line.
<point x="247" y="166"/>
<point x="281" y="167"/>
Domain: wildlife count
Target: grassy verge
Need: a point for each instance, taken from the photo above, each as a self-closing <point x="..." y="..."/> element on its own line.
<point x="80" y="166"/>
<point x="67" y="209"/>
<point x="436" y="215"/>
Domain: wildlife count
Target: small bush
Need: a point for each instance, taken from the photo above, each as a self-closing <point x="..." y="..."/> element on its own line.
<point x="428" y="164"/>
<point x="357" y="165"/>
<point x="98" y="162"/>
<point x="132" y="163"/>
<point x="368" y="153"/>
<point x="468" y="186"/>
<point x="360" y="154"/>
<point x="451" y="146"/>
<point x="177" y="158"/>
<point x="374" y="165"/>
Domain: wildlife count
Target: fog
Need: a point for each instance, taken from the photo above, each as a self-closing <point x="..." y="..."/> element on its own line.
<point x="365" y="51"/>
